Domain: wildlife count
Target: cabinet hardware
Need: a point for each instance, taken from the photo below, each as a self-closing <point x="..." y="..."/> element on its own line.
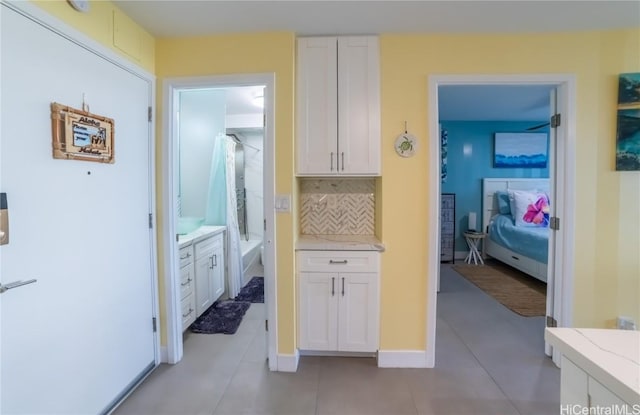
<point x="343" y="262"/>
<point x="186" y="256"/>
<point x="343" y="286"/>
<point x="188" y="314"/>
<point x="215" y="260"/>
<point x="15" y="284"/>
<point x="333" y="284"/>
<point x="332" y="161"/>
<point x="211" y="262"/>
<point x="186" y="283"/>
<point x="343" y="161"/>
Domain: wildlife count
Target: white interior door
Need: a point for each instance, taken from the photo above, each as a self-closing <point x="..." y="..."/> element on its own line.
<point x="76" y="339"/>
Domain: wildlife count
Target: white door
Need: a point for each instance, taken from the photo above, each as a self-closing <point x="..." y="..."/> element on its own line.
<point x="357" y="312"/>
<point x="316" y="106"/>
<point x="75" y="340"/>
<point x="318" y="311"/>
<point x="204" y="282"/>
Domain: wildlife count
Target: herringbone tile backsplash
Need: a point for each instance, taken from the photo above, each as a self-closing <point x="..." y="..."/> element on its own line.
<point x="337" y="206"/>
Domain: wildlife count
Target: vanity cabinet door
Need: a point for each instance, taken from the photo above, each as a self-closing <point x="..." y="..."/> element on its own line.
<point x="318" y="311"/>
<point x="204" y="286"/>
<point x="358" y="312"/>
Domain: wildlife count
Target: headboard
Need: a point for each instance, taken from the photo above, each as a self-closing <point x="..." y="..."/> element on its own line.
<point x="490" y="186"/>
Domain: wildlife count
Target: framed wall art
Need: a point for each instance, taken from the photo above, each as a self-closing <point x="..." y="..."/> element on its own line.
<point x="81" y="135"/>
<point x="518" y="150"/>
<point x="628" y="132"/>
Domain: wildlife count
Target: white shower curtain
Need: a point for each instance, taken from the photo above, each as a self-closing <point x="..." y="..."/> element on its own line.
<point x="222" y="207"/>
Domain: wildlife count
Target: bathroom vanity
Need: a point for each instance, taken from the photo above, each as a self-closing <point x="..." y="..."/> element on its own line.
<point x="202" y="276"/>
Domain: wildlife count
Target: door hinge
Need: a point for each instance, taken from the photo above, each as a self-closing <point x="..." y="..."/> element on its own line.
<point x="150" y="220"/>
<point x="264" y="120"/>
<point x="554" y="223"/>
<point x="149" y="113"/>
<point x="266" y="325"/>
<point x="551" y="322"/>
<point x="154" y="324"/>
<point x="556" y="119"/>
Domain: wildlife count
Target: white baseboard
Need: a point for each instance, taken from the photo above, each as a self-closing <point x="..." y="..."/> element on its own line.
<point x="404" y="359"/>
<point x="288" y="362"/>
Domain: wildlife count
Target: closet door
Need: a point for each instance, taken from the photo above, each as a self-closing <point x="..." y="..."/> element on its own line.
<point x="79" y="337"/>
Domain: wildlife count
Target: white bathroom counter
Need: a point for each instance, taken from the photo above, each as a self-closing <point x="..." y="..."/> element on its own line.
<point x="199" y="234"/>
<point x="339" y="243"/>
<point x="612" y="357"/>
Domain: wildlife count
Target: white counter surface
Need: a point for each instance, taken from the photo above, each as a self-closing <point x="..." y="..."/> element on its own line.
<point x="199" y="234"/>
<point x="612" y="357"/>
<point x="339" y="243"/>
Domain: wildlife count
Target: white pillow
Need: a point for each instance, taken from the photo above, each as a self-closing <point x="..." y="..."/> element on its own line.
<point x="529" y="208"/>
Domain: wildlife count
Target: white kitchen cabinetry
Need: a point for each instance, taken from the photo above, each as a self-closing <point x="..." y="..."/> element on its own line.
<point x="187" y="286"/>
<point x="338" y="106"/>
<point x="338" y="300"/>
<point x="209" y="271"/>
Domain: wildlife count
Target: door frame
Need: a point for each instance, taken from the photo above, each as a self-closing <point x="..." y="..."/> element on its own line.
<point x="563" y="267"/>
<point x="173" y="351"/>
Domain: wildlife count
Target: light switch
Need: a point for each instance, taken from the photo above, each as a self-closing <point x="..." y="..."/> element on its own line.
<point x="283" y="203"/>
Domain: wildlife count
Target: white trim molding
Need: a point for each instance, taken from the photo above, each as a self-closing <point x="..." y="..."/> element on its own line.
<point x="288" y="362"/>
<point x="404" y="359"/>
<point x="565" y="175"/>
<point x="171" y="87"/>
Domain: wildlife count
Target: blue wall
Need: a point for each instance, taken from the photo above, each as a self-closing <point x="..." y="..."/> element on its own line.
<point x="470" y="159"/>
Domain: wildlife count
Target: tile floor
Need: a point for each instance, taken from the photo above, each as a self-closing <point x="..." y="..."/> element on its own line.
<point x="488" y="361"/>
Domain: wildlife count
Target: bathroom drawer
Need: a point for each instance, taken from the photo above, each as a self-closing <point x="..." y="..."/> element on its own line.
<point x="186" y="255"/>
<point x="338" y="261"/>
<point x="187" y="280"/>
<point x="188" y="311"/>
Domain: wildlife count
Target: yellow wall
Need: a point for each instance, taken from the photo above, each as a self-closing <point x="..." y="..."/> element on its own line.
<point x="98" y="24"/>
<point x="249" y="53"/>
<point x="607" y="260"/>
<point x="607" y="237"/>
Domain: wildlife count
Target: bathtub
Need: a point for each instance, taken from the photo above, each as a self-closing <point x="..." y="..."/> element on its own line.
<point x="250" y="255"/>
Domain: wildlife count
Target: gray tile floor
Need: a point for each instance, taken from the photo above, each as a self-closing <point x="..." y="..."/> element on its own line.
<point x="488" y="361"/>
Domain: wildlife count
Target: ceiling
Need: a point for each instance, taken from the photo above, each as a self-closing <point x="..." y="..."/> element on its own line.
<point x="164" y="18"/>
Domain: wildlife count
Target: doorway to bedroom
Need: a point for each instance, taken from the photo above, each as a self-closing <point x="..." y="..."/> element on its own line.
<point x="469" y="176"/>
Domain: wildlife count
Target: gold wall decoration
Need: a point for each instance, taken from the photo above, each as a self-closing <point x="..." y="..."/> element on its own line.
<point x="81" y="135"/>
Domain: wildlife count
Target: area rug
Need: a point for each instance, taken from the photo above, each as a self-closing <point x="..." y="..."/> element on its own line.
<point x="515" y="290"/>
<point x="222" y="317"/>
<point x="253" y="292"/>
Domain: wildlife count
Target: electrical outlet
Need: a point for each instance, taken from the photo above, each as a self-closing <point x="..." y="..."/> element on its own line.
<point x="625" y="323"/>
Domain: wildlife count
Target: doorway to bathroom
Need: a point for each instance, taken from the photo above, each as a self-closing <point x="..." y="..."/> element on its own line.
<point x="219" y="148"/>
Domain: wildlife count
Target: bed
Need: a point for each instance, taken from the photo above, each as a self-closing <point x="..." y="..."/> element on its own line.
<point x="521" y="242"/>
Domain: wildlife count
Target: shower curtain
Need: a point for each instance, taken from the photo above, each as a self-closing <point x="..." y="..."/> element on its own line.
<point x="222" y="207"/>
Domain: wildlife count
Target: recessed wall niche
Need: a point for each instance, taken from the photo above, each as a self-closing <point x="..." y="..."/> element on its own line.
<point x="337" y="206"/>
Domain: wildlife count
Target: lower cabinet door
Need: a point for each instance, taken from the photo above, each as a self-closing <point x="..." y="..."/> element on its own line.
<point x="358" y="312"/>
<point x="318" y="311"/>
<point x="203" y="284"/>
<point x="217" y="271"/>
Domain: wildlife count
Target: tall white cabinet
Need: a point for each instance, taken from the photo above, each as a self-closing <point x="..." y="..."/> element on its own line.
<point x="338" y="294"/>
<point x="338" y="106"/>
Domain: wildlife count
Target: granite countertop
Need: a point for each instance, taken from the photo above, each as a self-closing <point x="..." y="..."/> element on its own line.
<point x="612" y="357"/>
<point x="339" y="243"/>
<point x="199" y="234"/>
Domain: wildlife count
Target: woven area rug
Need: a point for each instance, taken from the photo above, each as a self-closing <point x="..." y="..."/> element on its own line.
<point x="515" y="290"/>
<point x="222" y="317"/>
<point x="253" y="292"/>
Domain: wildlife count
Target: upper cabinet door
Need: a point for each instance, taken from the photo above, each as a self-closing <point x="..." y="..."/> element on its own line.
<point x="338" y="106"/>
<point x="317" y="106"/>
<point x="359" y="105"/>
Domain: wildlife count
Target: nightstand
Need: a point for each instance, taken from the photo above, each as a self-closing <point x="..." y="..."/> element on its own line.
<point x="473" y="241"/>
